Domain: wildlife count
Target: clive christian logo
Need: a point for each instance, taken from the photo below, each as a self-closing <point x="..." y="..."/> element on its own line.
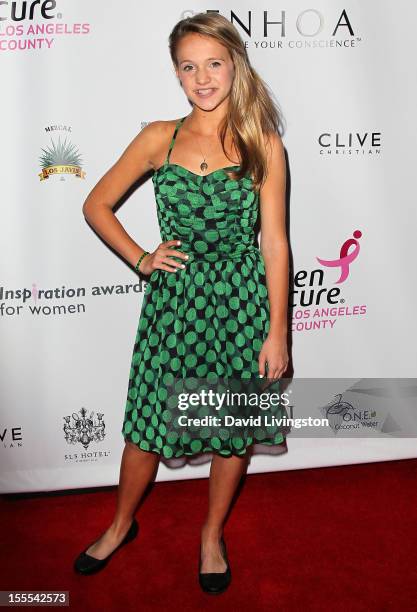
<point x="82" y="429"/>
<point x="11" y="437"/>
<point x="60" y="158"/>
<point x="349" y="143"/>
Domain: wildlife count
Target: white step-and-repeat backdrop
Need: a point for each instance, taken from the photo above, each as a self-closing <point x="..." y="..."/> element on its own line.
<point x="79" y="80"/>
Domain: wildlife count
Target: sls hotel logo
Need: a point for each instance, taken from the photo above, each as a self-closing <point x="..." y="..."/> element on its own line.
<point x="318" y="305"/>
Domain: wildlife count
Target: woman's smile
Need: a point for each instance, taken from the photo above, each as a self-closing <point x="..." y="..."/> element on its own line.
<point x="205" y="92"/>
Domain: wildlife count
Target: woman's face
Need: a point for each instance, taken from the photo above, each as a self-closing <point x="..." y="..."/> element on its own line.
<point x="205" y="69"/>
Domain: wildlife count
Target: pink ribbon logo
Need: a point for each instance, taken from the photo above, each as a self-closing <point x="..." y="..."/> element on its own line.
<point x="345" y="258"/>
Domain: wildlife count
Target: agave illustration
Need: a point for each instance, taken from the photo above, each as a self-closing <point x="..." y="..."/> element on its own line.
<point x="60" y="154"/>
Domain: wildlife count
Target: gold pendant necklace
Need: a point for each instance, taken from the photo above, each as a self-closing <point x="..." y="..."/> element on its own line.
<point x="203" y="165"/>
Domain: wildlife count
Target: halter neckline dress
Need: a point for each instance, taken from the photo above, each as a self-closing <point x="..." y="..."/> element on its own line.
<point x="207" y="319"/>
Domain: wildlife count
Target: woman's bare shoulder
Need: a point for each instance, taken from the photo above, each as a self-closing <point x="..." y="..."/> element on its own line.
<point x="158" y="135"/>
<point x="162" y="126"/>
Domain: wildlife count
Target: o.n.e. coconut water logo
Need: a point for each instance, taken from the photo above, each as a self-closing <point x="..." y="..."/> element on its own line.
<point x="344" y="416"/>
<point x="318" y="306"/>
<point x="29" y="26"/>
<point x="60" y="158"/>
<point x="277" y="29"/>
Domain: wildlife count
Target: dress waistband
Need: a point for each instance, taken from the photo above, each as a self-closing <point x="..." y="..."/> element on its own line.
<point x="213" y="256"/>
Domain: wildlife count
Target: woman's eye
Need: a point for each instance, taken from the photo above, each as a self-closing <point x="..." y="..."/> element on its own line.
<point x="189" y="65"/>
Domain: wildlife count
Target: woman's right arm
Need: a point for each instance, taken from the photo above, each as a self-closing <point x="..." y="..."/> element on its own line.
<point x="135" y="161"/>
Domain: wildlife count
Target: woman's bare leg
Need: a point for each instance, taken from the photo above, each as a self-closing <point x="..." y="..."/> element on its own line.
<point x="225" y="475"/>
<point x="136" y="471"/>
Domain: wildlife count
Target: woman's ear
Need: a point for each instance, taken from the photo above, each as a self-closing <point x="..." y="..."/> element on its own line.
<point x="178" y="76"/>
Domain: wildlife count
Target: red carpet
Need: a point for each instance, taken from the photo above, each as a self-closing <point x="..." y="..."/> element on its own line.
<point x="336" y="538"/>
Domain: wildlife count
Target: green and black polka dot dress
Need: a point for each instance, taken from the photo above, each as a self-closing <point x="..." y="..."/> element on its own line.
<point x="206" y="320"/>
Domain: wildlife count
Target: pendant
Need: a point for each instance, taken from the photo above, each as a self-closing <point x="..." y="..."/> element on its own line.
<point x="203" y="165"/>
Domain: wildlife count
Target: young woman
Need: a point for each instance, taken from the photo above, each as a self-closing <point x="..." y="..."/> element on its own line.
<point x="215" y="303"/>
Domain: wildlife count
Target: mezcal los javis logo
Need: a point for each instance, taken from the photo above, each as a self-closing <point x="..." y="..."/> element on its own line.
<point x="60" y="158"/>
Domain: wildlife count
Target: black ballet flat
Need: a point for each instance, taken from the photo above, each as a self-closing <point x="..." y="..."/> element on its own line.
<point x="86" y="564"/>
<point x="215" y="582"/>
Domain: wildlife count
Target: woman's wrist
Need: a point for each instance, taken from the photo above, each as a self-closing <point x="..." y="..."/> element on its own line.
<point x="140" y="261"/>
<point x="277" y="331"/>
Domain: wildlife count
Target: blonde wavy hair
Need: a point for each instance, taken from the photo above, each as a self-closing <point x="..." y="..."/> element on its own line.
<point x="252" y="112"/>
